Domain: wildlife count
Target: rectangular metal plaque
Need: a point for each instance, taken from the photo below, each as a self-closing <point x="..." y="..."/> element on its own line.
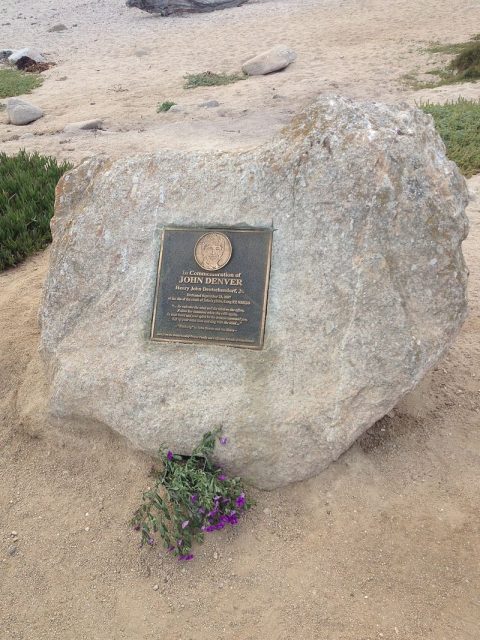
<point x="212" y="286"/>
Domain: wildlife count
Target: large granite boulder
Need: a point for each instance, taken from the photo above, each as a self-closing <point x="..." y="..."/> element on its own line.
<point x="170" y="7"/>
<point x="367" y="288"/>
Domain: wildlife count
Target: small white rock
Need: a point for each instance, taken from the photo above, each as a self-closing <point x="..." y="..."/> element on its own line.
<point x="155" y="587"/>
<point x="20" y="112"/>
<point x="209" y="104"/>
<point x="85" y="125"/>
<point x="275" y="59"/>
<point x="34" y="54"/>
<point x="215" y="556"/>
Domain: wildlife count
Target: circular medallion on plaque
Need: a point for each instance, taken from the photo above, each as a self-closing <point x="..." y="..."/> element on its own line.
<point x="213" y="251"/>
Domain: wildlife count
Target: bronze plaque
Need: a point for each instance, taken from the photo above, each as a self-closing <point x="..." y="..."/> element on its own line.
<point x="212" y="286"/>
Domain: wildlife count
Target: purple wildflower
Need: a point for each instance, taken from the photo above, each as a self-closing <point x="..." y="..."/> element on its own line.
<point x="201" y="510"/>
<point x="194" y="498"/>
<point x="150" y="541"/>
<point x="170" y="549"/>
<point x="240" y="501"/>
<point x="169" y="455"/>
<point x="222" y="477"/>
<point x="137" y="527"/>
<point x="185" y="524"/>
<point x="223" y="440"/>
<point x="188" y="556"/>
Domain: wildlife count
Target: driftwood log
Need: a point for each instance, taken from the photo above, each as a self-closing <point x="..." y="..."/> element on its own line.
<point x="169" y="7"/>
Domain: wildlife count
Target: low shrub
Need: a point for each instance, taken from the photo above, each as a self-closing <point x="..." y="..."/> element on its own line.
<point x="27" y="196"/>
<point x="458" y="124"/>
<point x="209" y="79"/>
<point x="165" y="106"/>
<point x="466" y="64"/>
<point x="463" y="67"/>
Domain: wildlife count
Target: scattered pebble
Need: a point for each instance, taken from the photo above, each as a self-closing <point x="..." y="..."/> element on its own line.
<point x="215" y="556"/>
<point x="155" y="587"/>
<point x="12" y="550"/>
<point x="57" y="27"/>
<point x="209" y="104"/>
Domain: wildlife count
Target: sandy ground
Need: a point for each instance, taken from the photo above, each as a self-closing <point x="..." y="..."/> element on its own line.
<point x="385" y="543"/>
<point x="117" y="64"/>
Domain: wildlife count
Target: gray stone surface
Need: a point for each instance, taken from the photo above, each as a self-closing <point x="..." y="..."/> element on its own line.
<point x="85" y="125"/>
<point x="21" y="112"/>
<point x="169" y="7"/>
<point x="209" y="104"/>
<point x="367" y="289"/>
<point x="275" y="59"/>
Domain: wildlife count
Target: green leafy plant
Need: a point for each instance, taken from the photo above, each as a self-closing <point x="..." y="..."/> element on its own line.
<point x="165" y="106"/>
<point x="191" y="496"/>
<point x="209" y="79"/>
<point x="16" y="83"/>
<point x="27" y="196"/>
<point x="458" y="124"/>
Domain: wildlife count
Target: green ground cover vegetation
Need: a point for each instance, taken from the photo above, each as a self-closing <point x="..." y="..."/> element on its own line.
<point x="209" y="79"/>
<point x="458" y="123"/>
<point x="162" y="107"/>
<point x="27" y="196"/>
<point x="16" y="83"/>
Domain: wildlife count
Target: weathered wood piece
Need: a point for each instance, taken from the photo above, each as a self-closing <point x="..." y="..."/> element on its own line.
<point x="169" y="7"/>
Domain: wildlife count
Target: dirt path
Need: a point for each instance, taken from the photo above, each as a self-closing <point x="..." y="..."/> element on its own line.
<point x="385" y="543"/>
